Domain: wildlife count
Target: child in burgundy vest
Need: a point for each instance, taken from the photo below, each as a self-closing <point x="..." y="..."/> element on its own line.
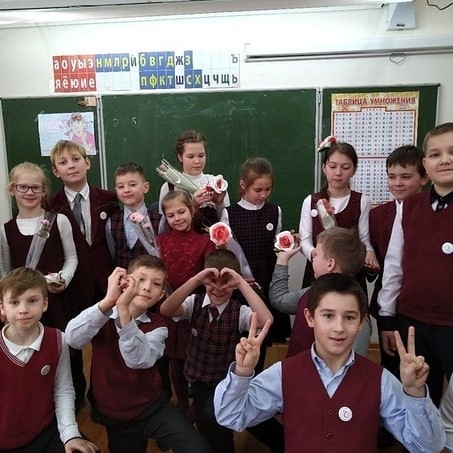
<point x="332" y="399"/>
<point x="337" y="250"/>
<point x="127" y="339"/>
<point x="36" y="392"/>
<point x="217" y="319"/>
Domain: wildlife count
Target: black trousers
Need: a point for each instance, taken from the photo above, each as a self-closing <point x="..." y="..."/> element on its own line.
<point x="434" y="343"/>
<point x="161" y="421"/>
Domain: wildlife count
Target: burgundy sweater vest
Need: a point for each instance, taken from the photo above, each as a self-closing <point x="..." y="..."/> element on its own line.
<point x="26" y="391"/>
<point x="302" y="336"/>
<point x="255" y="231"/>
<point x="123" y="254"/>
<point x="316" y="423"/>
<point x="427" y="270"/>
<point x="210" y="351"/>
<point x="381" y="224"/>
<point x="120" y="392"/>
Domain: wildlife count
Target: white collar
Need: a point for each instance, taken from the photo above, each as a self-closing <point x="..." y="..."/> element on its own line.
<point x="16" y="349"/>
<point x="71" y="194"/>
<point x="220" y="307"/>
<point x="243" y="203"/>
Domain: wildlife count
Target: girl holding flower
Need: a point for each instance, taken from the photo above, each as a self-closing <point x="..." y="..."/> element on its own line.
<point x="255" y="223"/>
<point x="191" y="153"/>
<point x="184" y="251"/>
<point x="42" y="240"/>
<point x="350" y="208"/>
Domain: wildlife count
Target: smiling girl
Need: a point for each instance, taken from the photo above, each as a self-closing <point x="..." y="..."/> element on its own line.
<point x="184" y="251"/>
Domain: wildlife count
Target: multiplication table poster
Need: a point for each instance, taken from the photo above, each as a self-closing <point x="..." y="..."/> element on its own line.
<point x="375" y="124"/>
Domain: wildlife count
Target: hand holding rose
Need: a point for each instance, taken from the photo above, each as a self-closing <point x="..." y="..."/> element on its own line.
<point x="116" y="284"/>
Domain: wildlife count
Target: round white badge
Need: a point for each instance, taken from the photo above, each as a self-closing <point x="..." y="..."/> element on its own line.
<point x="103" y="215"/>
<point x="45" y="370"/>
<point x="314" y="213"/>
<point x="447" y="248"/>
<point x="345" y="414"/>
<point x="194" y="332"/>
<point x="269" y="227"/>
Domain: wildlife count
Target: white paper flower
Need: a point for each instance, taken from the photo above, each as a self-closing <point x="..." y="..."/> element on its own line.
<point x="284" y="241"/>
<point x="218" y="184"/>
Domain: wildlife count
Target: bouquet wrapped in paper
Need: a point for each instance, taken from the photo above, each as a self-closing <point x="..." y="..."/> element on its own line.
<point x="145" y="233"/>
<point x="221" y="235"/>
<point x="175" y="177"/>
<point x="45" y="223"/>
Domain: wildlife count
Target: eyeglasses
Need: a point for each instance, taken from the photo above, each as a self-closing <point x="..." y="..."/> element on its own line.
<point x="24" y="188"/>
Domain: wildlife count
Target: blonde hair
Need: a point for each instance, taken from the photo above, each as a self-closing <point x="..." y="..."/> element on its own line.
<point x="66" y="145"/>
<point x="27" y="167"/>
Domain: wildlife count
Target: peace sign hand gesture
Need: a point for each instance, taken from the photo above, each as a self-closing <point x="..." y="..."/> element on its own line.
<point x="413" y="369"/>
<point x="248" y="349"/>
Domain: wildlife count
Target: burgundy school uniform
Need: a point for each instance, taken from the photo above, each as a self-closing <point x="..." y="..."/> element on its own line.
<point x="302" y="336"/>
<point x="381" y="224"/>
<point x="210" y="351"/>
<point x="26" y="411"/>
<point x="62" y="307"/>
<point x="315" y="422"/>
<point x="120" y="392"/>
<point x="348" y="218"/>
<point x="427" y="262"/>
<point x="123" y="254"/>
<point x="184" y="254"/>
<point x="95" y="261"/>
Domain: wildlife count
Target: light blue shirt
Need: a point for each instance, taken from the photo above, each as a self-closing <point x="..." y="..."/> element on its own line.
<point x="246" y="401"/>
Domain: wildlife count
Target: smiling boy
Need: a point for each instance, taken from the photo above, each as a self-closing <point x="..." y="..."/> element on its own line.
<point x="416" y="284"/>
<point x="127" y="340"/>
<point x="37" y="409"/>
<point x="217" y="319"/>
<point x="332" y="399"/>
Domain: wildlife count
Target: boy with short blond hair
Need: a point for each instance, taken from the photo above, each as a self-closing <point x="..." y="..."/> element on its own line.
<point x="337" y="250"/>
<point x="127" y="339"/>
<point x="87" y="208"/>
<point x="131" y="187"/>
<point x="332" y="399"/>
<point x="416" y="285"/>
<point x="37" y="409"/>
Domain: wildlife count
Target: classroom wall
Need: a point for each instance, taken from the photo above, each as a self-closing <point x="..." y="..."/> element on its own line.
<point x="26" y="69"/>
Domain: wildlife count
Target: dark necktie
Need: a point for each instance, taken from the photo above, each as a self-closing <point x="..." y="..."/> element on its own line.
<point x="77" y="211"/>
<point x="441" y="202"/>
<point x="215" y="314"/>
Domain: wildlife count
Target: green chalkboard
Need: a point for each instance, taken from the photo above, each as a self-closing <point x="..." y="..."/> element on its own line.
<point x="20" y="118"/>
<point x="278" y="125"/>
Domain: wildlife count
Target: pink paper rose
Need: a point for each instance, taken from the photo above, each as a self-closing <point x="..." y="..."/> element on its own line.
<point x="217" y="184"/>
<point x="220" y="233"/>
<point x="284" y="241"/>
<point x="136" y="217"/>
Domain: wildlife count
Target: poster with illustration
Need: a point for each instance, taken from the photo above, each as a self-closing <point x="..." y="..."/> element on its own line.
<point x="75" y="126"/>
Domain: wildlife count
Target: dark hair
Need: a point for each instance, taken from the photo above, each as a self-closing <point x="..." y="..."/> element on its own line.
<point x="190" y="136"/>
<point x="406" y="155"/>
<point x="22" y="279"/>
<point x="254" y="168"/>
<point x="343" y="245"/>
<point x="180" y="195"/>
<point x="343" y="148"/>
<point x="344" y="284"/>
<point x="438" y="130"/>
<point x="129" y="167"/>
<point x="221" y="258"/>
<point x="149" y="261"/>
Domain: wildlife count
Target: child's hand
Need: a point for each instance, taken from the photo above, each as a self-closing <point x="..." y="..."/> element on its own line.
<point x="413" y="369"/>
<point x="284" y="257"/>
<point x="208" y="276"/>
<point x="56" y="288"/>
<point x="229" y="278"/>
<point x="116" y="283"/>
<point x="218" y="198"/>
<point x="371" y="262"/>
<point x="202" y="196"/>
<point x="248" y="349"/>
<point x="131" y="289"/>
<point x="80" y="445"/>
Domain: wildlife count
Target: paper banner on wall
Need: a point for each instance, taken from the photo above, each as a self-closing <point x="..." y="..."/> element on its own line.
<point x="75" y="126"/>
<point x="375" y="124"/>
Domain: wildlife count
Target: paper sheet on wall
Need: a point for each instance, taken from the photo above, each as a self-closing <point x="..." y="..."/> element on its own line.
<point x="375" y="124"/>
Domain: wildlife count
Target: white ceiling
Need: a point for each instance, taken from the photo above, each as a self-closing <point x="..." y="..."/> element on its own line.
<point x="19" y="13"/>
